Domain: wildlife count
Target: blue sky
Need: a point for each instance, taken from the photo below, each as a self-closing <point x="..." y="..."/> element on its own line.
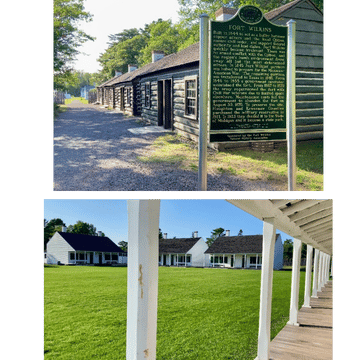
<point x="114" y="16"/>
<point x="177" y="217"/>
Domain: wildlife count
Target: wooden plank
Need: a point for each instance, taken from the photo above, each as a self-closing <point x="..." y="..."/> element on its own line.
<point x="302" y="25"/>
<point x="312" y="340"/>
<point x="309" y="50"/>
<point x="304" y="14"/>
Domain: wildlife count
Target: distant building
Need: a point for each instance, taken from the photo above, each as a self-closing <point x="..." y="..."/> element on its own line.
<point x="84" y="91"/>
<point x="242" y="252"/>
<point x="77" y="249"/>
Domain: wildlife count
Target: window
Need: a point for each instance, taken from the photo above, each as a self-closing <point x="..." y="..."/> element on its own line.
<point x="253" y="260"/>
<point x="107" y="257"/>
<point x="114" y="257"/>
<point x="191" y="97"/>
<point x="147" y="95"/>
<point x="72" y="256"/>
<point x="188" y="258"/>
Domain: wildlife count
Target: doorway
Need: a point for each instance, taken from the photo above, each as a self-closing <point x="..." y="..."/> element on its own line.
<point x="164" y="104"/>
<point x="91" y="258"/>
<point x="100" y="258"/>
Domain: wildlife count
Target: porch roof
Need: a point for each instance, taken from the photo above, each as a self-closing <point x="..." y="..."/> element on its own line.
<point x="310" y="221"/>
<point x="177" y="246"/>
<point x="247" y="244"/>
<point x="80" y="242"/>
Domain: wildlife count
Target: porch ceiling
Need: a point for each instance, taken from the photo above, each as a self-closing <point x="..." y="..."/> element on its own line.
<point x="310" y="221"/>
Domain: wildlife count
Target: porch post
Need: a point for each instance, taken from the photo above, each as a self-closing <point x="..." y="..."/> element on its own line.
<point x="320" y="271"/>
<point x="269" y="232"/>
<point x="295" y="280"/>
<point x="142" y="289"/>
<point x="316" y="273"/>
<point x="256" y="261"/>
<point x="331" y="269"/>
<point x="309" y="252"/>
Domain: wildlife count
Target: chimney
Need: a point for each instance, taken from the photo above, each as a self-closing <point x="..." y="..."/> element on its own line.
<point x="225" y="13"/>
<point x="131" y="67"/>
<point x="195" y="234"/>
<point x="99" y="233"/>
<point x="157" y="55"/>
<point x="227" y="233"/>
<point x="118" y="73"/>
<point x="165" y="235"/>
<point x="63" y="229"/>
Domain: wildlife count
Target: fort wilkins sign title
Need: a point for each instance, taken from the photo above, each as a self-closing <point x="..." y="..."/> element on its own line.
<point x="248" y="69"/>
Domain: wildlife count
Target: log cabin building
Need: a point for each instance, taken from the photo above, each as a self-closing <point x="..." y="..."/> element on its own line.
<point x="165" y="92"/>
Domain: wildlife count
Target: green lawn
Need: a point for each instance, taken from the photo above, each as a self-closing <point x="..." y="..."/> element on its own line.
<point x="249" y="164"/>
<point x="202" y="313"/>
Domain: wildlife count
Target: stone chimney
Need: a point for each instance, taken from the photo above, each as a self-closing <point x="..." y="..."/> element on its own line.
<point x="118" y="73"/>
<point x="225" y="13"/>
<point x="131" y="67"/>
<point x="63" y="229"/>
<point x="195" y="234"/>
<point x="157" y="55"/>
<point x="227" y="233"/>
<point x="164" y="235"/>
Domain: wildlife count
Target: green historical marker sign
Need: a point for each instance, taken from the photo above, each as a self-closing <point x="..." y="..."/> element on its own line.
<point x="248" y="69"/>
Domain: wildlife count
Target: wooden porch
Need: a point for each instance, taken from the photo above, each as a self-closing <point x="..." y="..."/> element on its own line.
<point x="312" y="340"/>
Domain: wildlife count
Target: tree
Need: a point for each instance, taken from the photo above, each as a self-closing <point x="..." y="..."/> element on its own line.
<point x="82" y="228"/>
<point x="288" y="250"/>
<point x="123" y="245"/>
<point x="215" y="234"/>
<point x="162" y="35"/>
<point x="67" y="38"/>
<point x="160" y="235"/>
<point x="50" y="228"/>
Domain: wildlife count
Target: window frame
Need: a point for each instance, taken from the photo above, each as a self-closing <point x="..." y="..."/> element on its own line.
<point x="148" y="95"/>
<point x="187" y="114"/>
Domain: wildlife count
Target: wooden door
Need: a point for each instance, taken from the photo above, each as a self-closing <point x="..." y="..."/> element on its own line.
<point x="167" y="105"/>
<point x="160" y="94"/>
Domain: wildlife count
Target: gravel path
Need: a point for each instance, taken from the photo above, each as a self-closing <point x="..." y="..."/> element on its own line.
<point x="95" y="151"/>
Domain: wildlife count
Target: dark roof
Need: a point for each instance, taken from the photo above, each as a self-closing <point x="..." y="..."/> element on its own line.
<point x="177" y="246"/>
<point x="247" y="244"/>
<point x="276" y="12"/>
<point x="186" y="56"/>
<point x="81" y="242"/>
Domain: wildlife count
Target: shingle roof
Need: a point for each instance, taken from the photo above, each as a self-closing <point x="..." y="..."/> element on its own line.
<point x="186" y="56"/>
<point x="81" y="242"/>
<point x="276" y="12"/>
<point x="246" y="244"/>
<point x="177" y="246"/>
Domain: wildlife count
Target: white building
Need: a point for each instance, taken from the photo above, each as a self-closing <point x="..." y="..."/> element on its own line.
<point x="77" y="249"/>
<point x="242" y="252"/>
<point x="183" y="252"/>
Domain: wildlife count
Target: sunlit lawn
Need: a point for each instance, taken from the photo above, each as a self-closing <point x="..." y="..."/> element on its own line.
<point x="202" y="313"/>
<point x="249" y="164"/>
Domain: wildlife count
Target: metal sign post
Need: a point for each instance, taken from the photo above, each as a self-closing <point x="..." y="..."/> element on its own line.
<point x="291" y="110"/>
<point x="203" y="100"/>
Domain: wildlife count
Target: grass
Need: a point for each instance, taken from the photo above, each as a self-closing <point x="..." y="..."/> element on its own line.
<point x="69" y="101"/>
<point x="208" y="314"/>
<point x="247" y="163"/>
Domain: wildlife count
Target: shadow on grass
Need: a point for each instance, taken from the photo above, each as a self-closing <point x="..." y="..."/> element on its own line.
<point x="309" y="156"/>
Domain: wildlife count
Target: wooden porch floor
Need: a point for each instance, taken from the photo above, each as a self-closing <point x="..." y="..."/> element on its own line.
<point x="312" y="340"/>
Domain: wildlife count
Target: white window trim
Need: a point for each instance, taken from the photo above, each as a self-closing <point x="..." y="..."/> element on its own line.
<point x="188" y="78"/>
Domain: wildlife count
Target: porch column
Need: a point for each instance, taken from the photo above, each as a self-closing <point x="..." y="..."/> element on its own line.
<point x="295" y="281"/>
<point x="142" y="289"/>
<point x="316" y="273"/>
<point x="309" y="252"/>
<point x="320" y="271"/>
<point x="185" y="260"/>
<point x="177" y="259"/>
<point x="269" y="231"/>
<point x="256" y="261"/>
<point x="331" y="268"/>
